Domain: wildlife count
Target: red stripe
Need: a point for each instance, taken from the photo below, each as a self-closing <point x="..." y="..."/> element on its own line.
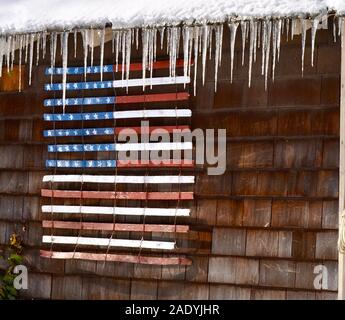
<point x="156" y="65"/>
<point x="115" y="227"/>
<point x="151" y="164"/>
<point x="156" y="97"/>
<point x="122" y="195"/>
<point x="158" y="129"/>
<point x="117" y="257"/>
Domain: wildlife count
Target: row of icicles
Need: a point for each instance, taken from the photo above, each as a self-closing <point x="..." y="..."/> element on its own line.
<point x="197" y="41"/>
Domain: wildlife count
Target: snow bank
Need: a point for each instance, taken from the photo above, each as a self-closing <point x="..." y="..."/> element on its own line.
<point x="22" y="16"/>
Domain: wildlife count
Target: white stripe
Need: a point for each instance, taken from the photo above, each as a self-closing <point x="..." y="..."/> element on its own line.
<point x="132" y="211"/>
<point x="109" y="242"/>
<point x="118" y="179"/>
<point x="156" y="113"/>
<point x="135" y="146"/>
<point x="150" y="81"/>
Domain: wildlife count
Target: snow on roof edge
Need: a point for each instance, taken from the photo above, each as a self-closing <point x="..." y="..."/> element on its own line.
<point x="23" y="16"/>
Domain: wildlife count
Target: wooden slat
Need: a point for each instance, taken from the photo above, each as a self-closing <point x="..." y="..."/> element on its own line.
<point x="115" y="227"/>
<point x="139" y="259"/>
<point x="130" y="114"/>
<point x="98" y="147"/>
<point x="153" y="97"/>
<point x="150" y="164"/>
<point x="111" y="68"/>
<point x="139" y="82"/>
<point x="105" y="242"/>
<point x="110" y="131"/>
<point x="118" y="179"/>
<point x="119" y="163"/>
<point x="133" y="211"/>
<point x="122" y="195"/>
<point x="155" y="129"/>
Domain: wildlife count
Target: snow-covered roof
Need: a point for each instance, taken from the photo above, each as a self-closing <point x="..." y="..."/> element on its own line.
<point x="23" y="16"/>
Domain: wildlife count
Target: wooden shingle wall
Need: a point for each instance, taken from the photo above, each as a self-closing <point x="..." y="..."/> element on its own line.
<point x="259" y="229"/>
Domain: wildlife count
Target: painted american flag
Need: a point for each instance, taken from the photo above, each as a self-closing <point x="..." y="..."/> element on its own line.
<point x="86" y="172"/>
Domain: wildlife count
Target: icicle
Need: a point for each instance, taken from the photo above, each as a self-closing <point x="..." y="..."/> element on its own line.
<point x="233" y="28"/>
<point x="251" y="49"/>
<point x="263" y="47"/>
<point x="185" y="36"/>
<point x="274" y="46"/>
<point x="279" y="33"/>
<point x="123" y="52"/>
<point x="26" y="47"/>
<point x="218" y="53"/>
<point x="268" y="29"/>
<point x="255" y="30"/>
<point x="38" y="48"/>
<point x="154" y="44"/>
<point x="75" y="37"/>
<point x="8" y="53"/>
<point x="53" y="41"/>
<point x="340" y="26"/>
<point x="102" y="36"/>
<point x="20" y="63"/>
<point x="190" y="48"/>
<point x="44" y="44"/>
<point x="244" y="34"/>
<point x="64" y="67"/>
<point x="145" y="42"/>
<point x="117" y="49"/>
<point x="32" y="39"/>
<point x="287" y="25"/>
<point x="92" y="45"/>
<point x="151" y="54"/>
<point x="137" y="38"/>
<point x="1" y="53"/>
<point x="128" y="55"/>
<point x="196" y="51"/>
<point x="85" y="36"/>
<point x="334" y="30"/>
<point x="113" y="41"/>
<point x="314" y="26"/>
<point x="173" y="48"/>
<point x="61" y="43"/>
<point x="210" y="43"/>
<point x="304" y="32"/>
<point x="161" y="32"/>
<point x="14" y="42"/>
<point x="205" y="33"/>
<point x="259" y="29"/>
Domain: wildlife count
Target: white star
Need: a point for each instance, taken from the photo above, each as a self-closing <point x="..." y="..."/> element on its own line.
<point x="70" y="117"/>
<point x="106" y="116"/>
<point x="95" y="116"/>
<point x="75" y="86"/>
<point x="87" y="117"/>
<point x="49" y="102"/>
<point x="49" y="133"/>
<point x="108" y="100"/>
